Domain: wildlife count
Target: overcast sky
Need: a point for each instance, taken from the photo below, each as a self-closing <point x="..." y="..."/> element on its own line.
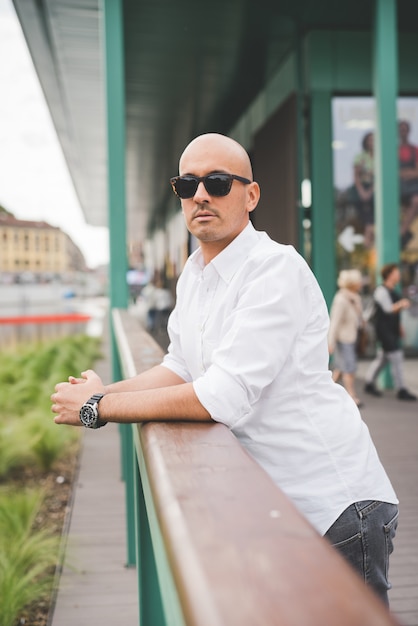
<point x="34" y="181"/>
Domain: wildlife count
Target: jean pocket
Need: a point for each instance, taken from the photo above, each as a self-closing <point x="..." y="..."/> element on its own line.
<point x="347" y="542"/>
<point x="391" y="526"/>
<point x="390" y="531"/>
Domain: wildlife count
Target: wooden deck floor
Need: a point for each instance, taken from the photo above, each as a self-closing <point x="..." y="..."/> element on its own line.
<point x="97" y="588"/>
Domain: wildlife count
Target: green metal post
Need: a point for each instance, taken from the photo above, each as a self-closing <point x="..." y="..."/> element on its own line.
<point x="129" y="465"/>
<point x="300" y="137"/>
<point x="115" y="98"/>
<point x="115" y="113"/>
<point x="150" y="602"/>
<point x="385" y="76"/>
<point x="323" y="211"/>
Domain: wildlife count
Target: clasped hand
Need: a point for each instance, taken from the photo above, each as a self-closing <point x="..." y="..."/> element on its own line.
<point x="69" y="397"/>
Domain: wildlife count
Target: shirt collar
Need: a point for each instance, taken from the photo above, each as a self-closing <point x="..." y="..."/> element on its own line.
<point x="227" y="262"/>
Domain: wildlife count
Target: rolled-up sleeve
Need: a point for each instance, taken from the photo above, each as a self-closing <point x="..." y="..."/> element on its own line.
<point x="222" y="395"/>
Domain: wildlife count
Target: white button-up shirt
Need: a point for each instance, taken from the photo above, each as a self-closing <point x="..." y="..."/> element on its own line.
<point x="250" y="330"/>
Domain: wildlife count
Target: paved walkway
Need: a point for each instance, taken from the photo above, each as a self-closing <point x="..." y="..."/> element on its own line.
<point x="394" y="428"/>
<point x="97" y="588"/>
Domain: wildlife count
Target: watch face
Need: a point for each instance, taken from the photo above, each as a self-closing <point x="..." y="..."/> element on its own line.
<point x="88" y="415"/>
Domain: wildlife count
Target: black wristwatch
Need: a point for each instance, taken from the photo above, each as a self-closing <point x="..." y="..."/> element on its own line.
<point x="89" y="412"/>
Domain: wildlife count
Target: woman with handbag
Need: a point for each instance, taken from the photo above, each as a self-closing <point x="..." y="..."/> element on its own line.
<point x="346" y="319"/>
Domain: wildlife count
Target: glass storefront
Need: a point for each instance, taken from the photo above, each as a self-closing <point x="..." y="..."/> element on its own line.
<point x="353" y="158"/>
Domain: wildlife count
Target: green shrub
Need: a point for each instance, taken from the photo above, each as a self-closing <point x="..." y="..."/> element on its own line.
<point x="14" y="446"/>
<point x="27" y="380"/>
<point x="28" y="377"/>
<point x="27" y="557"/>
<point x="47" y="442"/>
<point x="29" y="437"/>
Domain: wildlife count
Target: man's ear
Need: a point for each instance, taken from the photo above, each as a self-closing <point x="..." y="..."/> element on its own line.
<point x="253" y="196"/>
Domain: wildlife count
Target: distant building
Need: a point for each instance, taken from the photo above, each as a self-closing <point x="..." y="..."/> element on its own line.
<point x="36" y="248"/>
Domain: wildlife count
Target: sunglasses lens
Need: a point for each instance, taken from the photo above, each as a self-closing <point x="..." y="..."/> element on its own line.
<point x="186" y="186"/>
<point x="218" y="184"/>
<point x="215" y="184"/>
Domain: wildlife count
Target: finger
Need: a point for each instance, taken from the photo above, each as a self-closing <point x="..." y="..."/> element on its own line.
<point x="60" y="386"/>
<point x="54" y="405"/>
<point x="90" y="374"/>
<point x="75" y="381"/>
<point x="70" y="421"/>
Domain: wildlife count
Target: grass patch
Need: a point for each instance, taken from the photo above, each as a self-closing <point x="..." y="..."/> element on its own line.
<point x="27" y="379"/>
<point x="27" y="557"/>
<point x="31" y="446"/>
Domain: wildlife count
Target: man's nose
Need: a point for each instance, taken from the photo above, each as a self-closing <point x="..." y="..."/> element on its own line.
<point x="201" y="194"/>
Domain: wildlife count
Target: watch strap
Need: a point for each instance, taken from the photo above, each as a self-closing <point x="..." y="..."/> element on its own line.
<point x="95" y="399"/>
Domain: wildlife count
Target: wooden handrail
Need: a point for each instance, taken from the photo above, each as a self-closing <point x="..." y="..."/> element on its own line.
<point x="237" y="550"/>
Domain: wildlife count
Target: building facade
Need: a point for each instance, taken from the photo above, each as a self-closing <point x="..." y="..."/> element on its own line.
<point x="37" y="249"/>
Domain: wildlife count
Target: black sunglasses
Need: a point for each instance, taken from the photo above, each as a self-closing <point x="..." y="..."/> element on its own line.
<point x="217" y="184"/>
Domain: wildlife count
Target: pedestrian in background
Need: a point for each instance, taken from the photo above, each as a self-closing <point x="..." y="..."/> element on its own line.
<point x="387" y="319"/>
<point x="362" y="191"/>
<point x="345" y="321"/>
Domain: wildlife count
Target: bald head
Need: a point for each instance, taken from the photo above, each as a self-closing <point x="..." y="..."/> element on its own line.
<point x="226" y="153"/>
<point x="216" y="219"/>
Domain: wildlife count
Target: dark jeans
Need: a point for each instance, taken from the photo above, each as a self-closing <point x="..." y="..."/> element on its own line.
<point x="364" y="535"/>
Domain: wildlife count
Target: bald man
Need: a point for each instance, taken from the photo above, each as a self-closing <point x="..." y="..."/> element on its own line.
<point x="248" y="348"/>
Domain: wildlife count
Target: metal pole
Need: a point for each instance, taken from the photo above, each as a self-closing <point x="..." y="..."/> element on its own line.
<point x="118" y="288"/>
<point x="385" y="84"/>
<point x="323" y="210"/>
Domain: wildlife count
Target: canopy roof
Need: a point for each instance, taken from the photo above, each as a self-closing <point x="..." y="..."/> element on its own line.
<point x="190" y="67"/>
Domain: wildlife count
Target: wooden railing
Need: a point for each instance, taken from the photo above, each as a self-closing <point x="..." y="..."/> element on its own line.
<point x="217" y="543"/>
